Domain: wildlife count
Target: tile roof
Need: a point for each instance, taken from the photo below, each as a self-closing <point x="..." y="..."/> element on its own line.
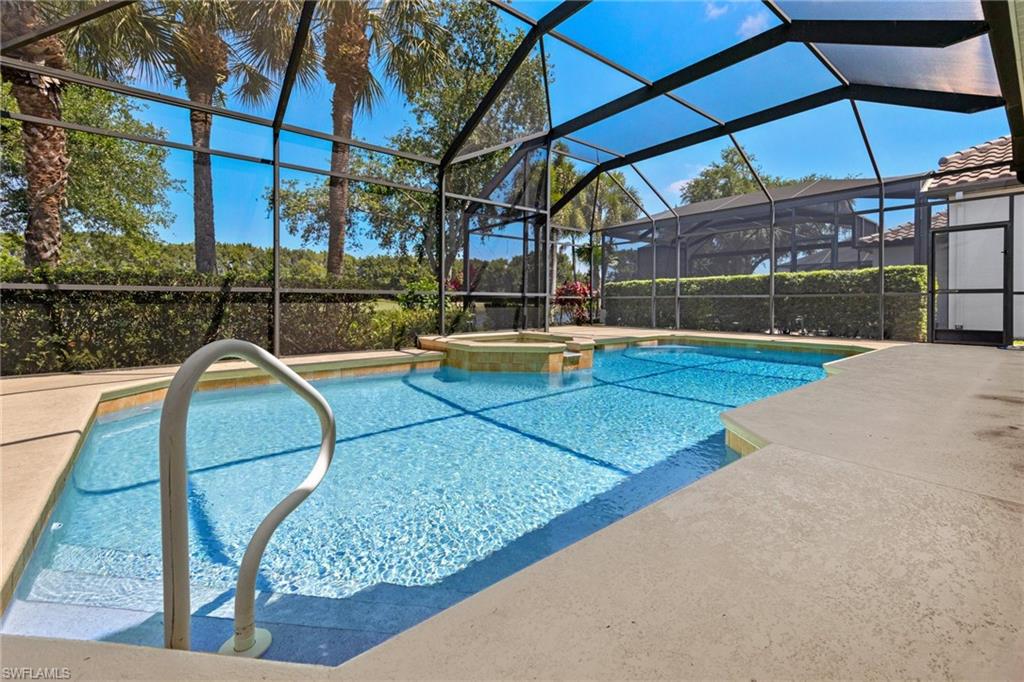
<point x="756" y="202"/>
<point x="905" y="231"/>
<point x="994" y="151"/>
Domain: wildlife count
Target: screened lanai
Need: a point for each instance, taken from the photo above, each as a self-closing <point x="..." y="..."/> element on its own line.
<point x="332" y="175"/>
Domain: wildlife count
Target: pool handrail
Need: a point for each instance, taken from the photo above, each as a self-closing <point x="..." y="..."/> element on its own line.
<point x="248" y="640"/>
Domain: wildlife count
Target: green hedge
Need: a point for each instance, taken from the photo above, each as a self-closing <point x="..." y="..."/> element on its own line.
<point x="48" y="330"/>
<point x="847" y="316"/>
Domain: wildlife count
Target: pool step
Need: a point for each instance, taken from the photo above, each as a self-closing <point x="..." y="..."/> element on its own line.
<point x="295" y="643"/>
<point x="105" y="561"/>
<point x="108" y="591"/>
<point x="100" y="577"/>
<point x="133" y="594"/>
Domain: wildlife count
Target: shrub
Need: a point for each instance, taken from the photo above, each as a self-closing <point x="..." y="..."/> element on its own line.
<point x="573" y="300"/>
<point x="72" y="330"/>
<point x="854" y="316"/>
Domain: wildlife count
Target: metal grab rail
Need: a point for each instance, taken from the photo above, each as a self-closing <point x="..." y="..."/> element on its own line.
<point x="248" y="640"/>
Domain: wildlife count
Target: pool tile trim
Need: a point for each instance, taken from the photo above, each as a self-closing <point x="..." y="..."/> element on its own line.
<point x="523" y="351"/>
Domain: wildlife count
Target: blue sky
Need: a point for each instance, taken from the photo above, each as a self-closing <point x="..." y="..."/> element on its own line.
<point x="652" y="38"/>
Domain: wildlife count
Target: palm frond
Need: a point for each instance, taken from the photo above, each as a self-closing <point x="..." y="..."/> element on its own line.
<point x="408" y="38"/>
<point x="252" y="86"/>
<point x="124" y="44"/>
<point x="371" y="95"/>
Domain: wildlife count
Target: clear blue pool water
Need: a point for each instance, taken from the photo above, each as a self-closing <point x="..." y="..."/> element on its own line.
<point x="443" y="483"/>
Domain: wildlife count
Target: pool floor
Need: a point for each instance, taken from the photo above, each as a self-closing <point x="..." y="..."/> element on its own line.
<point x="442" y="484"/>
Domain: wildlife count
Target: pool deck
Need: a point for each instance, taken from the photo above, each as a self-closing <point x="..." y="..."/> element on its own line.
<point x="878" y="532"/>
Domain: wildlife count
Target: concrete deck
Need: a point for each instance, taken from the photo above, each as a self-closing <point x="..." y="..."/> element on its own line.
<point x="879" y="533"/>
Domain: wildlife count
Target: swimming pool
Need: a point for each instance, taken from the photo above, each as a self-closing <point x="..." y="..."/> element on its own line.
<point x="443" y="483"/>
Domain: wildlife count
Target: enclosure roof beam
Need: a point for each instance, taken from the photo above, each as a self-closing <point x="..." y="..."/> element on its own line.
<point x="774" y="8"/>
<point x="593" y="54"/>
<point x="499" y="177"/>
<point x="534" y="140"/>
<point x="632" y="199"/>
<point x="944" y="101"/>
<point x="121" y="89"/>
<point x="1008" y="56"/>
<point x="383" y="182"/>
<point x="298" y="45"/>
<point x="856" y="32"/>
<point x="64" y="24"/>
<point x="131" y="137"/>
<point x="549" y="21"/>
<point x="650" y="185"/>
<point x="958" y="102"/>
<point x="752" y="169"/>
<point x="359" y="144"/>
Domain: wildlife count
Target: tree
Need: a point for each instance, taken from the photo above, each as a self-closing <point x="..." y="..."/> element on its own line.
<point x="730" y="176"/>
<point x="476" y="49"/>
<point x="114" y="186"/>
<point x="213" y="48"/>
<point x="104" y="41"/>
<point x="46" y="160"/>
<point x="353" y="41"/>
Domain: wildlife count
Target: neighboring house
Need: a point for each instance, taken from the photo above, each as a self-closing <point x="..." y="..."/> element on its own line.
<point x="954" y="218"/>
<point x="816" y="224"/>
<point x="969" y="254"/>
<point x="900" y="242"/>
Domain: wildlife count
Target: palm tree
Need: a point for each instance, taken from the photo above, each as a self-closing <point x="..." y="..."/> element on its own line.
<point x="216" y="47"/>
<point x="46" y="160"/>
<point x="106" y="47"/>
<point x="405" y="39"/>
<point x="206" y="45"/>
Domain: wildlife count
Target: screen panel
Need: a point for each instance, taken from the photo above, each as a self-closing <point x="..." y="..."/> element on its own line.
<point x="965" y="67"/>
<point x="779" y="75"/>
<point x="656" y="43"/>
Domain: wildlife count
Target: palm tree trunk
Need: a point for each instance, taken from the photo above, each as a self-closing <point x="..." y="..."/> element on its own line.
<point x="45" y="147"/>
<point x="202" y="180"/>
<point x="204" y="68"/>
<point x="342" y="110"/>
<point x="46" y="176"/>
<point x="347" y="67"/>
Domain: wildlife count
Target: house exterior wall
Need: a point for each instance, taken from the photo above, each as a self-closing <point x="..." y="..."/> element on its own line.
<point x="974" y="263"/>
<point x="895" y="254"/>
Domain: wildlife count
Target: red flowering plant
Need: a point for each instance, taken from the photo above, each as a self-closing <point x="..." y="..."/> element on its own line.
<point x="572" y="299"/>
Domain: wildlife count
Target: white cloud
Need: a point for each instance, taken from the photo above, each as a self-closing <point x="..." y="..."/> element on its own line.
<point x="753" y="24"/>
<point x="713" y="10"/>
<point x="676" y="187"/>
